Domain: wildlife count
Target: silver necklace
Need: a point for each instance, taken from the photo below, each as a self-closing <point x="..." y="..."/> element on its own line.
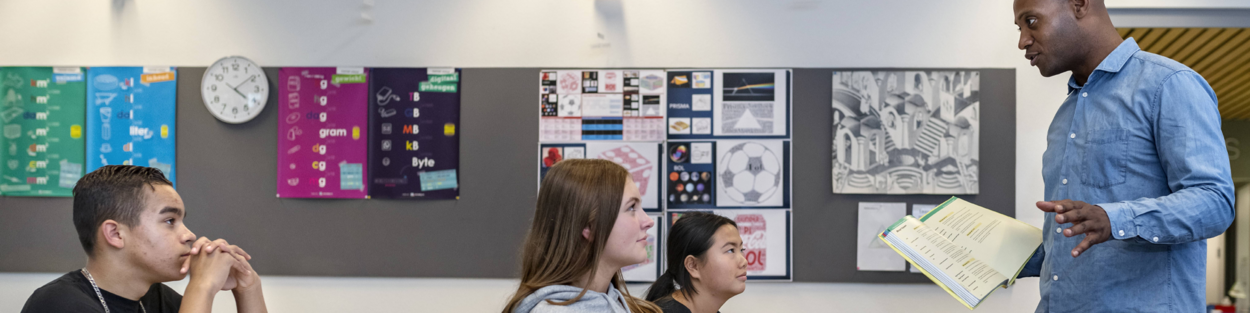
<point x="101" y="296"/>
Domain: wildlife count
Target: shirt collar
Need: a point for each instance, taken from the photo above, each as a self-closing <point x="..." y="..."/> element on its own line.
<point x="1112" y="63"/>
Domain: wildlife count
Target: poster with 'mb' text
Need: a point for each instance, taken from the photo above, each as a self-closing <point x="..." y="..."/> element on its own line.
<point x="414" y="116"/>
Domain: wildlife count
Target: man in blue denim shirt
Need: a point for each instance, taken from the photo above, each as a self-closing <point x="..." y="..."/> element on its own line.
<point x="1136" y="170"/>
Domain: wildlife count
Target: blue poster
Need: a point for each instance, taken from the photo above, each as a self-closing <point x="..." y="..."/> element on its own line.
<point x="130" y="117"/>
<point x="414" y="141"/>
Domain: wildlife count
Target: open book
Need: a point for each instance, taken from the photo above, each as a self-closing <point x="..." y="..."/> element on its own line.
<point x="965" y="248"/>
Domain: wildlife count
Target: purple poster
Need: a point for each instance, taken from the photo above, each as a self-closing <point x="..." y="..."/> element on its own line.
<point x="414" y="138"/>
<point x="322" y="137"/>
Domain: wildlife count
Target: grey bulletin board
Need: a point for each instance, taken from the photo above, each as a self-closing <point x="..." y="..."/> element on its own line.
<point x="227" y="180"/>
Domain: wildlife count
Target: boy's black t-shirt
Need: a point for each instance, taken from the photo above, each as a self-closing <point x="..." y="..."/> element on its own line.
<point x="72" y="292"/>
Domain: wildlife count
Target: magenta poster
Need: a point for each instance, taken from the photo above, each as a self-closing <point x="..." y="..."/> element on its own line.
<point x="322" y="132"/>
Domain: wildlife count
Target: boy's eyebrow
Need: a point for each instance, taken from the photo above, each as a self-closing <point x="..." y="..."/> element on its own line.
<point x="174" y="210"/>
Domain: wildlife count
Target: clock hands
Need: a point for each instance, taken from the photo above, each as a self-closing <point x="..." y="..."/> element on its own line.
<point x="251" y="78"/>
<point x="236" y="87"/>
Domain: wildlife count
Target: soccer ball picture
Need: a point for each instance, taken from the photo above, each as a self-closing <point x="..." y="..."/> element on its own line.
<point x="750" y="174"/>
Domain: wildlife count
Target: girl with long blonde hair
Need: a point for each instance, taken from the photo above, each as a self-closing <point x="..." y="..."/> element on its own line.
<point x="588" y="224"/>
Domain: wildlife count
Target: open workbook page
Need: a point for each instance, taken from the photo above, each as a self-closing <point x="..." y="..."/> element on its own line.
<point x="1001" y="241"/>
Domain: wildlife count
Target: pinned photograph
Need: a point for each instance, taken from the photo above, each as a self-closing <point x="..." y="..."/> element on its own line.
<point x="679" y="125"/>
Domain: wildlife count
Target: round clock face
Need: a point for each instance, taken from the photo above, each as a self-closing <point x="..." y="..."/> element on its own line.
<point x="234" y="89"/>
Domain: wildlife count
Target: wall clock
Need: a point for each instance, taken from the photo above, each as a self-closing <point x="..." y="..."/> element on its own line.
<point x="234" y="89"/>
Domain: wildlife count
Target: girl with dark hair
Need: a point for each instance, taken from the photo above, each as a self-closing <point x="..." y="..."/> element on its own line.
<point x="706" y="265"/>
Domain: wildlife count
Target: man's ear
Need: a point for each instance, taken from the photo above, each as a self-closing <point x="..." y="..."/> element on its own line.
<point x="113" y="234"/>
<point x="586" y="233"/>
<point x="692" y="266"/>
<point x="1080" y="8"/>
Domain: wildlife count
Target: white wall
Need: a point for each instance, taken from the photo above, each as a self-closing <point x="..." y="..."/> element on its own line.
<point x="551" y="33"/>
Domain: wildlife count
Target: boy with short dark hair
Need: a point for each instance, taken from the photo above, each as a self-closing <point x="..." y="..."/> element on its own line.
<point x="130" y="222"/>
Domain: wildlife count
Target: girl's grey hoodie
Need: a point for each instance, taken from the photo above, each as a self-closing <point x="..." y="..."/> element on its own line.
<point x="592" y="301"/>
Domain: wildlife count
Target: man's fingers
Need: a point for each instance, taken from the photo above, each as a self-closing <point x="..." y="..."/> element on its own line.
<point x="1046" y="206"/>
<point x="1072" y="216"/>
<point x="1077" y="229"/>
<point x="1084" y="245"/>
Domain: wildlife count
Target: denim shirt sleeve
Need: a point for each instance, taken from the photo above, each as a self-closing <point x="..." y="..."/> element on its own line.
<point x="1033" y="268"/>
<point x="1191" y="149"/>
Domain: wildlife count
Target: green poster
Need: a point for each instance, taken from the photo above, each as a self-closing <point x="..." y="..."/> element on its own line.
<point x="42" y="110"/>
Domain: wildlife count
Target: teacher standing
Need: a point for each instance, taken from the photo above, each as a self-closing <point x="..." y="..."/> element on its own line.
<point x="1135" y="168"/>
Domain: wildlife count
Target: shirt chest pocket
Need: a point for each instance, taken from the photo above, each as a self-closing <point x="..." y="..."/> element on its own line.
<point x="1104" y="159"/>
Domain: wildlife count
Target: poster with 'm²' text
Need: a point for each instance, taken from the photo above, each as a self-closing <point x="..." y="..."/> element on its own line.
<point x="41" y="113"/>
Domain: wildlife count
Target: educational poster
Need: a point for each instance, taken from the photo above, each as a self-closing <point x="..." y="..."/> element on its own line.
<point x="906" y="132"/>
<point x="728" y="133"/>
<point x="692" y="174"/>
<point x="585" y="105"/>
<point x="871" y="253"/>
<point x="766" y="239"/>
<point x="131" y="118"/>
<point x="414" y="141"/>
<point x="648" y="271"/>
<point x="752" y="104"/>
<point x="641" y="159"/>
<point x="42" y="114"/>
<point x="752" y="173"/>
<point x="322" y="132"/>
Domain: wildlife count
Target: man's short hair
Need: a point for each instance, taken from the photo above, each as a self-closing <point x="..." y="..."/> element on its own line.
<point x="112" y="192"/>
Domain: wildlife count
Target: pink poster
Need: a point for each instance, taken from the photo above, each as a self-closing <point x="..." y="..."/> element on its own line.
<point x="321" y="132"/>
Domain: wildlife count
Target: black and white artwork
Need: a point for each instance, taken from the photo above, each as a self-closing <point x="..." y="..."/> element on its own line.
<point x="906" y="132"/>
<point x="750" y="173"/>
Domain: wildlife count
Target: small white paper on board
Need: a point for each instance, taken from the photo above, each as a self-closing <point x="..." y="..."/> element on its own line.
<point x="872" y="253"/>
<point x="701" y="153"/>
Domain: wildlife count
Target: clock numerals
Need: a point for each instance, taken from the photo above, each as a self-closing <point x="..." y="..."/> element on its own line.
<point x="230" y="95"/>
